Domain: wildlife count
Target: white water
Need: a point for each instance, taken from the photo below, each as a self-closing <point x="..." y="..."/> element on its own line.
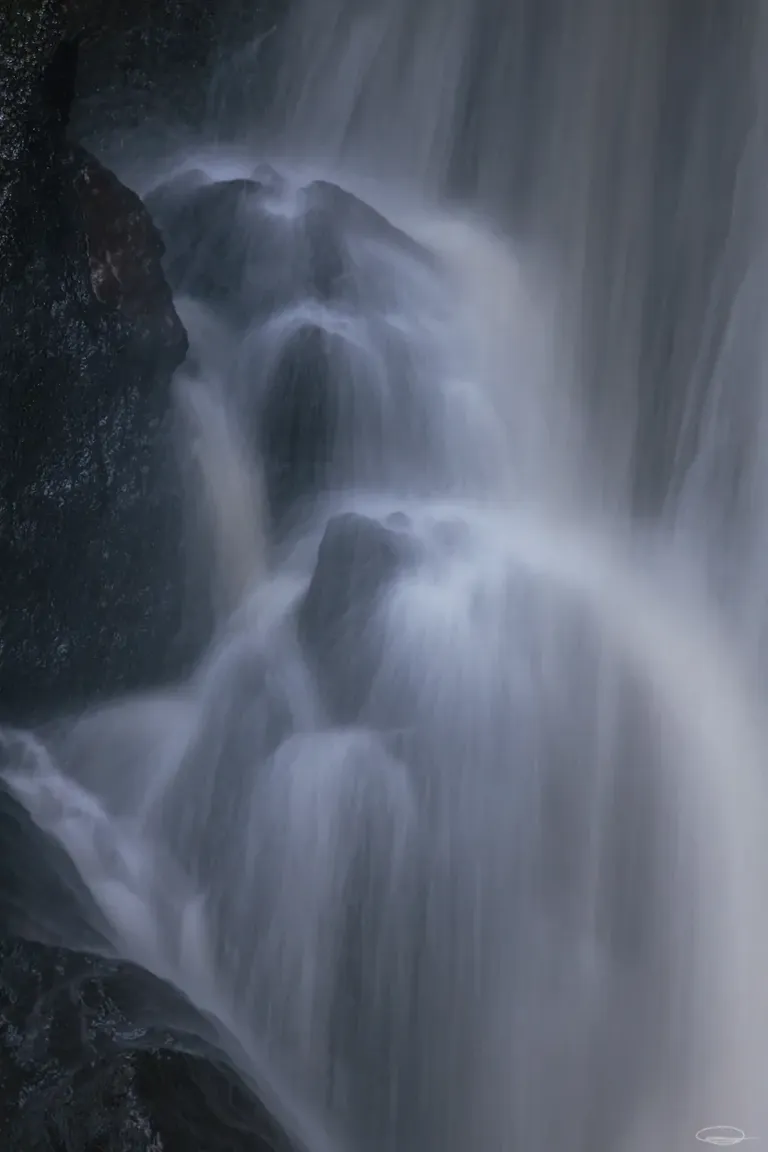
<point x="472" y="857"/>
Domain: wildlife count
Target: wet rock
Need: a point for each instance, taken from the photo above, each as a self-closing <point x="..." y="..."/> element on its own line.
<point x="333" y="211"/>
<point x="141" y="57"/>
<point x="172" y="61"/>
<point x="325" y="416"/>
<point x="398" y="520"/>
<point x="357" y="561"/>
<point x="125" y="253"/>
<point x="78" y="1073"/>
<point x="239" y="246"/>
<point x="31" y="35"/>
<point x="198" y="1099"/>
<point x="223" y="246"/>
<point x="250" y="247"/>
<point x="298" y="420"/>
<point x="322" y="378"/>
<point x="41" y="895"/>
<point x="338" y="404"/>
<point x="336" y="226"/>
<point x="66" y="1082"/>
<point x="89" y="555"/>
<point x="90" y="558"/>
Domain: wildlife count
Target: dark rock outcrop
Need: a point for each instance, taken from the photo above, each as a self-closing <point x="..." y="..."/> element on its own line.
<point x="78" y="1074"/>
<point x="224" y="247"/>
<point x="233" y="245"/>
<point x="89" y="339"/>
<point x="90" y="583"/>
<point x="334" y="212"/>
<point x="138" y="56"/>
<point x="298" y="423"/>
<point x="357" y="560"/>
<point x="301" y="280"/>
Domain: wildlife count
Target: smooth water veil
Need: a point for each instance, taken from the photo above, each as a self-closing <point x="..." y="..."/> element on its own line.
<point x="455" y="838"/>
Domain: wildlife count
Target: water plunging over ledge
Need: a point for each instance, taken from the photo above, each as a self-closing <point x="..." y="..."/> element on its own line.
<point x="454" y="839"/>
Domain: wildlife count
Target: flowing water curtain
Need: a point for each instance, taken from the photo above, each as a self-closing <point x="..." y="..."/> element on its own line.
<point x="638" y="173"/>
<point x="720" y="474"/>
<point x="357" y="907"/>
<point x="595" y="128"/>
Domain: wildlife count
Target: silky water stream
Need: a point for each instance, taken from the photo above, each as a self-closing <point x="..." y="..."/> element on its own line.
<point x="455" y="837"/>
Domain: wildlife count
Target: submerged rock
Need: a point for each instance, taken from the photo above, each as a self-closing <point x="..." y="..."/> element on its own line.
<point x="224" y="247"/>
<point x="304" y="282"/>
<point x="252" y="246"/>
<point x="298" y="422"/>
<point x="332" y="211"/>
<point x="357" y="561"/>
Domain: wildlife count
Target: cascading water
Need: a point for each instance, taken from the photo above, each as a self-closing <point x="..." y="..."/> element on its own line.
<point x="455" y="837"/>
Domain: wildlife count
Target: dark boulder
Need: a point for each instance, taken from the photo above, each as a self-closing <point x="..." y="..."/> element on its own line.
<point x="357" y="561"/>
<point x="298" y="281"/>
<point x="66" y="1084"/>
<point x="337" y="404"/>
<point x="331" y="210"/>
<point x="233" y="245"/>
<point x="91" y="587"/>
<point x="79" y="1074"/>
<point x="251" y="247"/>
<point x="143" y="59"/>
<point x="89" y="554"/>
<point x="298" y="419"/>
<point x="224" y="247"/>
<point x="125" y="254"/>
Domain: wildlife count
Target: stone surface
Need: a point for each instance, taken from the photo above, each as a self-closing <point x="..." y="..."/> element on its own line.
<point x="64" y="1082"/>
<point x="223" y="246"/>
<point x="89" y="553"/>
<point x="78" y="1074"/>
<point x="91" y="587"/>
<point x="299" y="420"/>
<point x="174" y="61"/>
<point x="300" y="281"/>
<point x="357" y="560"/>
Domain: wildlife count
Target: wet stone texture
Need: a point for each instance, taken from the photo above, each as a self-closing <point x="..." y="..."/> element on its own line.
<point x="152" y="60"/>
<point x="63" y="1081"/>
<point x="89" y="339"/>
<point x="78" y="1074"/>
<point x="91" y="577"/>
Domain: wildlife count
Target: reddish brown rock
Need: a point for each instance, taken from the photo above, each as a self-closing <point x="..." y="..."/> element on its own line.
<point x="124" y="250"/>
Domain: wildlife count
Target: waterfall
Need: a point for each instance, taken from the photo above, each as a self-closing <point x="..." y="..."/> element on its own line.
<point x="455" y="836"/>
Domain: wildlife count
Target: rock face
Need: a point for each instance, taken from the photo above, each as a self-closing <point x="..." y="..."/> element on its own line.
<point x="78" y="1075"/>
<point x="91" y="588"/>
<point x="90" y="339"/>
<point x="224" y="248"/>
<point x="92" y="585"/>
<point x="302" y="281"/>
<point x="357" y="560"/>
<point x="169" y="62"/>
<point x="250" y="247"/>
